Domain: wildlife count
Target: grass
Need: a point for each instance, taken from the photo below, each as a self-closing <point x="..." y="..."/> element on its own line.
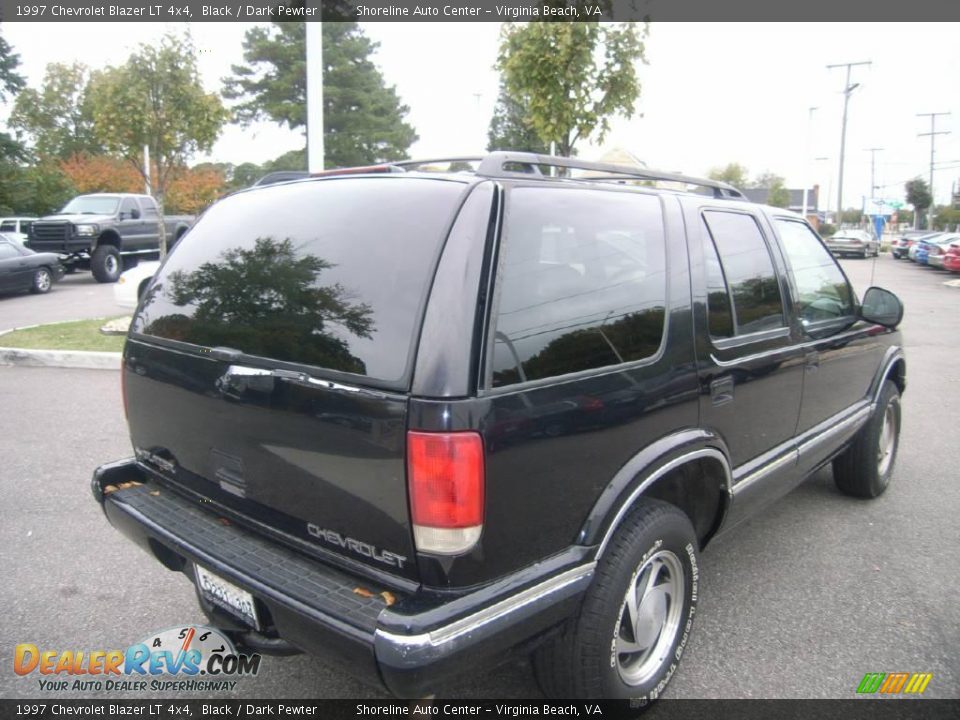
<point x="78" y="335"/>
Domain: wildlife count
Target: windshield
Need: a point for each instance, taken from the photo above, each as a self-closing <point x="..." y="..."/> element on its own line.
<point x="91" y="205"/>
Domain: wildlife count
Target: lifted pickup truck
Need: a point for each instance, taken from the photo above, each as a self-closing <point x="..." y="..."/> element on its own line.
<point x="95" y="231"/>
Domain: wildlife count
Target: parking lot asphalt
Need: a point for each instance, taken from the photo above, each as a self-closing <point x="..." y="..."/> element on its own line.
<point x="75" y="297"/>
<point x="799" y="602"/>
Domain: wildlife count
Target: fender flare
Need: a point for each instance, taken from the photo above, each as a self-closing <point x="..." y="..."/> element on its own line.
<point x="893" y="356"/>
<point x="643" y="470"/>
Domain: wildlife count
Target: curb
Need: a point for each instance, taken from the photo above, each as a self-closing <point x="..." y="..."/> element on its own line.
<point x="84" y="359"/>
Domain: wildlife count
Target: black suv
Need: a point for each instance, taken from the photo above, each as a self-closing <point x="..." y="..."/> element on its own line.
<point x="415" y="420"/>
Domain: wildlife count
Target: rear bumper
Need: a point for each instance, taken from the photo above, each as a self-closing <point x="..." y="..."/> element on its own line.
<point x="410" y="647"/>
<point x="846" y="248"/>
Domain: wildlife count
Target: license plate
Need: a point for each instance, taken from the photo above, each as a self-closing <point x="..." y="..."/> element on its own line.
<point x="226" y="595"/>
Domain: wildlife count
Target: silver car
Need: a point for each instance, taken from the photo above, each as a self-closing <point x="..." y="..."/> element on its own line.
<point x="939" y="247"/>
<point x="853" y="242"/>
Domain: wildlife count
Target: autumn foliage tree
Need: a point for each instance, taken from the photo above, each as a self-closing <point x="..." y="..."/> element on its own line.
<point x="99" y="173"/>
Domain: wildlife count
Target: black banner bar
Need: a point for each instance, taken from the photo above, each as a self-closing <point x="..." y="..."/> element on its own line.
<point x="78" y="11"/>
<point x="860" y="709"/>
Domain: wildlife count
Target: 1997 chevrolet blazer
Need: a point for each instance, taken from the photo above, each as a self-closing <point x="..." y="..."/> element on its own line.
<point x="415" y="420"/>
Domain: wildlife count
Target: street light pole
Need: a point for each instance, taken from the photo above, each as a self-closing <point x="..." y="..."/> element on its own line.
<point x="873" y="159"/>
<point x="933" y="134"/>
<point x="847" y="90"/>
<point x="806" y="160"/>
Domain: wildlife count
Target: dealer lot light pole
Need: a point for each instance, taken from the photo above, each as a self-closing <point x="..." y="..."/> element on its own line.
<point x="847" y="90"/>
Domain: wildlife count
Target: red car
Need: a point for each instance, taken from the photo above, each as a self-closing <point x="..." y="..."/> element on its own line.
<point x="951" y="259"/>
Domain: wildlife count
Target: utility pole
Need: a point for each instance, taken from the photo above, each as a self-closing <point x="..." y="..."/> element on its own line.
<point x="873" y="162"/>
<point x="847" y="90"/>
<point x="933" y="134"/>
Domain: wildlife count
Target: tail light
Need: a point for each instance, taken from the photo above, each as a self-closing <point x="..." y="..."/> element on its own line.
<point x="954" y="250"/>
<point x="123" y="386"/>
<point x="445" y="472"/>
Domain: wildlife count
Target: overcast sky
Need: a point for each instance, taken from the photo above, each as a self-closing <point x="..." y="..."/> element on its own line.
<point x="712" y="93"/>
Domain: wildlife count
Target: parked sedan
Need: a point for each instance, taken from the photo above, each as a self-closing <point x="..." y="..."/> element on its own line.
<point x="853" y="242"/>
<point x="937" y="249"/>
<point x="951" y="258"/>
<point x="918" y="245"/>
<point x="900" y="247"/>
<point x="131" y="285"/>
<point x="23" y="269"/>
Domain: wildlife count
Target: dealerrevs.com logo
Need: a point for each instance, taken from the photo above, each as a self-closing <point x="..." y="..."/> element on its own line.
<point x="197" y="658"/>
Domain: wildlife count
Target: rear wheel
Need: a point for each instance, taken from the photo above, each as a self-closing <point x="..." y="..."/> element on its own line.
<point x="865" y="468"/>
<point x="42" y="281"/>
<point x="630" y="633"/>
<point x="105" y="264"/>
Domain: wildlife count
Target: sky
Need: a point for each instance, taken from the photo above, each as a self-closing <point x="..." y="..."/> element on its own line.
<point x="712" y="93"/>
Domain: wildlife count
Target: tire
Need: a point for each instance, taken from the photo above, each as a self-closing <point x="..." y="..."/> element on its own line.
<point x="656" y="544"/>
<point x="42" y="281"/>
<point x="106" y="264"/>
<point x="865" y="468"/>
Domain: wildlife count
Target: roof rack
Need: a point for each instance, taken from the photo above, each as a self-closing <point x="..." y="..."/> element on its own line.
<point x="497" y="165"/>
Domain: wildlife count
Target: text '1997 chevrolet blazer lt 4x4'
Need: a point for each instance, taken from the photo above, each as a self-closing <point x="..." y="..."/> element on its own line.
<point x="416" y="420"/>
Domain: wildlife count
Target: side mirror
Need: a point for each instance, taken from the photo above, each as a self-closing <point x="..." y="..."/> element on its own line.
<point x="135" y="214"/>
<point x="881" y="307"/>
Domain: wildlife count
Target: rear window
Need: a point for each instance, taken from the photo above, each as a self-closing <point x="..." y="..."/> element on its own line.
<point x="331" y="274"/>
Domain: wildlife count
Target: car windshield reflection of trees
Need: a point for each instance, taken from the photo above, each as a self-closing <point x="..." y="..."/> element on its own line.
<point x="267" y="301"/>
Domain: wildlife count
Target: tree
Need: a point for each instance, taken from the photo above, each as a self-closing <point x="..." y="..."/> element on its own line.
<point x="510" y="126"/>
<point x="946" y="218"/>
<point x="851" y="216"/>
<point x="779" y="195"/>
<point x="918" y="195"/>
<point x="571" y="77"/>
<point x="193" y="189"/>
<point x="58" y="118"/>
<point x="37" y="189"/>
<point x="101" y="173"/>
<point x="733" y="173"/>
<point x="11" y="81"/>
<point x="363" y="118"/>
<point x="156" y="99"/>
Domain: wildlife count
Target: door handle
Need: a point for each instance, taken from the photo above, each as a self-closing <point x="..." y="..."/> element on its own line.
<point x="721" y="390"/>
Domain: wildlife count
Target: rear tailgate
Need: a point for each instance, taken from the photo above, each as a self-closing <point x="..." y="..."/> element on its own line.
<point x="269" y="365"/>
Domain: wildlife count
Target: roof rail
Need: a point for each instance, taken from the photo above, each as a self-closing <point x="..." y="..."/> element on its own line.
<point x="418" y="164"/>
<point x="497" y="164"/>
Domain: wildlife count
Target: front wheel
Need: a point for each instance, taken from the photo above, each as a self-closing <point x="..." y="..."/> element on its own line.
<point x="864" y="469"/>
<point x="633" y="627"/>
<point x="42" y="281"/>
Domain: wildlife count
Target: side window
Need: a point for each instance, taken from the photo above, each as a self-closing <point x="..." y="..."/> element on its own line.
<point x="582" y="283"/>
<point x="149" y="209"/>
<point x="748" y="269"/>
<point x="823" y="291"/>
<point x="25" y="226"/>
<point x="719" y="315"/>
<point x="9" y="226"/>
<point x="127" y="207"/>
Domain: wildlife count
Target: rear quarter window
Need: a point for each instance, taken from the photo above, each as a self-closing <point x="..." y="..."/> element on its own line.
<point x="582" y="283"/>
<point x="330" y="274"/>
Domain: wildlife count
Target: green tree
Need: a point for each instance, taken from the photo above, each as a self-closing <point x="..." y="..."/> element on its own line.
<point x="733" y="173"/>
<point x="363" y="118"/>
<point x="58" y="118"/>
<point x="572" y="77"/>
<point x="946" y="218"/>
<point x="156" y="100"/>
<point x="779" y="195"/>
<point x="851" y="216"/>
<point x="510" y="126"/>
<point x="918" y="195"/>
<point x="12" y="152"/>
